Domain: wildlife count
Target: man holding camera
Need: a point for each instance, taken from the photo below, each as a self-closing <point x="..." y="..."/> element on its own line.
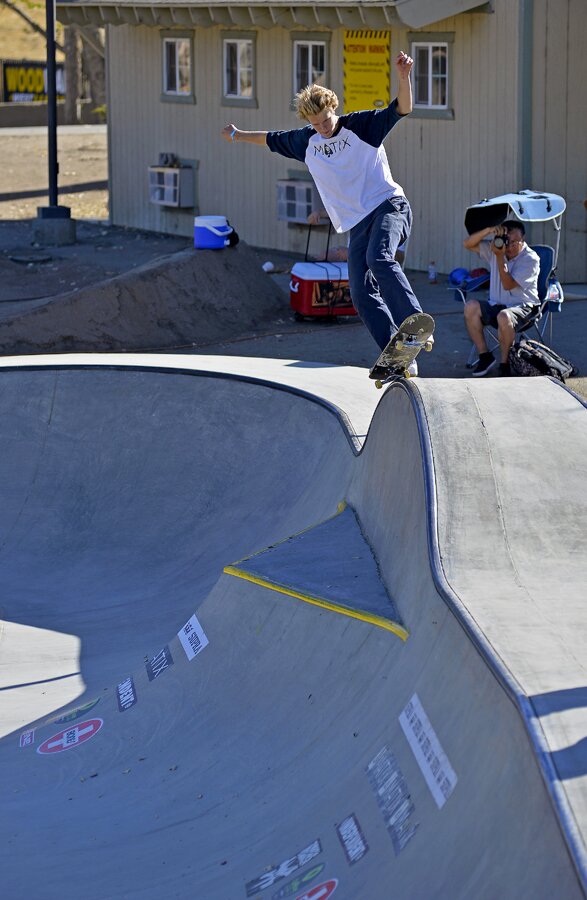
<point x="513" y="291"/>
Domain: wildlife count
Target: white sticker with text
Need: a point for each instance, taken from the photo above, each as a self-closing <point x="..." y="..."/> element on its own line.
<point x="433" y="761"/>
<point x="192" y="638"/>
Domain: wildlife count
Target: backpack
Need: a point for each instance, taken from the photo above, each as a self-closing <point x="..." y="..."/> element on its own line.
<point x="531" y="358"/>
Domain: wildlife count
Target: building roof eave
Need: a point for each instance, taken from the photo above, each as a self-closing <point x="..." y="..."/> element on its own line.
<point x="235" y="14"/>
<point x="311" y="14"/>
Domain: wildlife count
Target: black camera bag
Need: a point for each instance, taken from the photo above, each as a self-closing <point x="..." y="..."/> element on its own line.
<point x="530" y="358"/>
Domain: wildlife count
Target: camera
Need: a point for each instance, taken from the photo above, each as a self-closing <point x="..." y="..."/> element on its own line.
<point x="500" y="241"/>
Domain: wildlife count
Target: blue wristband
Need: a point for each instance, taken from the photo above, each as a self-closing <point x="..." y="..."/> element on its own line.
<point x="232" y="134"/>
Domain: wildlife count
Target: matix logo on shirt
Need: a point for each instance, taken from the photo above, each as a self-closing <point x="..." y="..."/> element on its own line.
<point x="332" y="147"/>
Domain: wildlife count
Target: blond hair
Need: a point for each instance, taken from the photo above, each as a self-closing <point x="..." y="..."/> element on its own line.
<point x="312" y="99"/>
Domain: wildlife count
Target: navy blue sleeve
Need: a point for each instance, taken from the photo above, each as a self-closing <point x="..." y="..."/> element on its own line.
<point x="292" y="144"/>
<point x="373" y="125"/>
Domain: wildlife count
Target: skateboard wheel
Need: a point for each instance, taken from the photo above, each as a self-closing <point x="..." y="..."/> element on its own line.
<point x="428" y="346"/>
<point x="406" y="374"/>
<point x="399" y="345"/>
<point x="378" y="384"/>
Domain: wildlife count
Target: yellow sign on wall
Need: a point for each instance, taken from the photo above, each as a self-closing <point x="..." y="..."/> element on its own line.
<point x="367" y="70"/>
<point x="25" y="81"/>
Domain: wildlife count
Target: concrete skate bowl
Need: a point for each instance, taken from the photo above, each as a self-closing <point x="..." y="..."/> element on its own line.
<point x="346" y="709"/>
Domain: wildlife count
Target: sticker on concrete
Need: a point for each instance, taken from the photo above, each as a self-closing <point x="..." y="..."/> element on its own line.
<point x="436" y="769"/>
<point x="284" y="869"/>
<point x="393" y="798"/>
<point x="159" y="663"/>
<point x="74" y="714"/>
<point x="27" y="738"/>
<point x="192" y="638"/>
<point x="71" y="737"/>
<point x="321" y="891"/>
<point x="352" y="839"/>
<point x="126" y="693"/>
<point x="299" y="882"/>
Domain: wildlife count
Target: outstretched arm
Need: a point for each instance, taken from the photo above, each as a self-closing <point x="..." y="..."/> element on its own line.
<point x="403" y="67"/>
<point x="232" y="133"/>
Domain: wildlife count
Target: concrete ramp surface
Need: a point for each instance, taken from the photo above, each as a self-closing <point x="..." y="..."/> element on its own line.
<point x="248" y="652"/>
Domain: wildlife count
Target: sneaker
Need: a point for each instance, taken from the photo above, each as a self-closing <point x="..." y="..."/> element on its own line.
<point x="504" y="370"/>
<point x="486" y="363"/>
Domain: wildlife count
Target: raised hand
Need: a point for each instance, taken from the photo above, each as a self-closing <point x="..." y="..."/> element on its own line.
<point x="403" y="65"/>
<point x="228" y="132"/>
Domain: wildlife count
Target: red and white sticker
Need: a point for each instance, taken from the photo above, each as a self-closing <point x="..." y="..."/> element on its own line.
<point x="321" y="891"/>
<point x="71" y="737"/>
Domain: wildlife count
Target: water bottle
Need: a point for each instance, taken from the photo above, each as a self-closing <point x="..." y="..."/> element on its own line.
<point x="432" y="272"/>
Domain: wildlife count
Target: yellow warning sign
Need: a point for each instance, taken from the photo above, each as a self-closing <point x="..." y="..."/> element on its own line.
<point x="367" y="69"/>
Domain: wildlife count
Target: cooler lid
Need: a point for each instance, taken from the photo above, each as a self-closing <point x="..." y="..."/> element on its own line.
<point x="321" y="271"/>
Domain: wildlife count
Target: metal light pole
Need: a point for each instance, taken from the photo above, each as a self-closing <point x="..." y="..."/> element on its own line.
<point x="51" y="102"/>
<point x="53" y="224"/>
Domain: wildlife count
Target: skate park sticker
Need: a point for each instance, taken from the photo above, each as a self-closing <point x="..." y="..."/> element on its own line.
<point x="192" y="638"/>
<point x="71" y="737"/>
<point x="27" y="738"/>
<point x="321" y="891"/>
<point x="74" y="714"/>
<point x="299" y="882"/>
<point x="352" y="839"/>
<point x="433" y="761"/>
<point x="126" y="694"/>
<point x="284" y="869"/>
<point x="159" y="664"/>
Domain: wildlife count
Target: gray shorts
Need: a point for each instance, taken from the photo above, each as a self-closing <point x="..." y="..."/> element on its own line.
<point x="519" y="315"/>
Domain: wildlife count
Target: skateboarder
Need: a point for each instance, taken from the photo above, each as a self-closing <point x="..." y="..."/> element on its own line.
<point x="347" y="160"/>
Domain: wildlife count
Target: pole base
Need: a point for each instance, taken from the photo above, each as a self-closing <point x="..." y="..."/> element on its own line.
<point x="54" y="226"/>
<point x="53" y="212"/>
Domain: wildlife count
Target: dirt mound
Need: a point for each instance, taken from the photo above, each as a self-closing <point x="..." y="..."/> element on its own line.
<point x="189" y="298"/>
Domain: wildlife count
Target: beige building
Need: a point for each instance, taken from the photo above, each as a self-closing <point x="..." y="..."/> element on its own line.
<point x="499" y="106"/>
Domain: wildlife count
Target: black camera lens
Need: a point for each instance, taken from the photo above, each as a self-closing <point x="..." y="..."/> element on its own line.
<point x="501" y="240"/>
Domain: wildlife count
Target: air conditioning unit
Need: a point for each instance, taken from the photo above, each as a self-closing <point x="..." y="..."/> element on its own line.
<point x="296" y="199"/>
<point x="171" y="186"/>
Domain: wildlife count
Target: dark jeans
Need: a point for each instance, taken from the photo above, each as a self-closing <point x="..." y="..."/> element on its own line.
<point x="380" y="291"/>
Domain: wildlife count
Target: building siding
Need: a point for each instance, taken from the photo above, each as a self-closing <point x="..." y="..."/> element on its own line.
<point x="559" y="133"/>
<point x="444" y="165"/>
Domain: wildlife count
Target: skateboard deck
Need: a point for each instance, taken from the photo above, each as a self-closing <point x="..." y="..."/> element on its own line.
<point x="414" y="334"/>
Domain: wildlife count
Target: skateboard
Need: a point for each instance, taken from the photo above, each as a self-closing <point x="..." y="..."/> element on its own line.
<point x="414" y="334"/>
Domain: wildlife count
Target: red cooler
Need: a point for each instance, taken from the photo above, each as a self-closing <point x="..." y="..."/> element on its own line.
<point x="320" y="289"/>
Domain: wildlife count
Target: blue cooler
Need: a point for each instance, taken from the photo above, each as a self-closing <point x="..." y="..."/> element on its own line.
<point x="211" y="232"/>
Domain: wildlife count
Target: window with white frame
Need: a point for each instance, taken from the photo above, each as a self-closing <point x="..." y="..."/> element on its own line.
<point x="430" y="75"/>
<point x="309" y="63"/>
<point x="177" y="66"/>
<point x="239" y="69"/>
<point x="296" y="199"/>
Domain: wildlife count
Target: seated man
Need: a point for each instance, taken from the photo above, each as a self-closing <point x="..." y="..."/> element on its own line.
<point x="513" y="291"/>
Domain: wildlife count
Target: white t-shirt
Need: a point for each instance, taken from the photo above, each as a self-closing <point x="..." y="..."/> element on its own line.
<point x="524" y="270"/>
<point x="350" y="169"/>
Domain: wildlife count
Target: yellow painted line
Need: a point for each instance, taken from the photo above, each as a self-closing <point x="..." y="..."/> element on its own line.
<point x="373" y="619"/>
